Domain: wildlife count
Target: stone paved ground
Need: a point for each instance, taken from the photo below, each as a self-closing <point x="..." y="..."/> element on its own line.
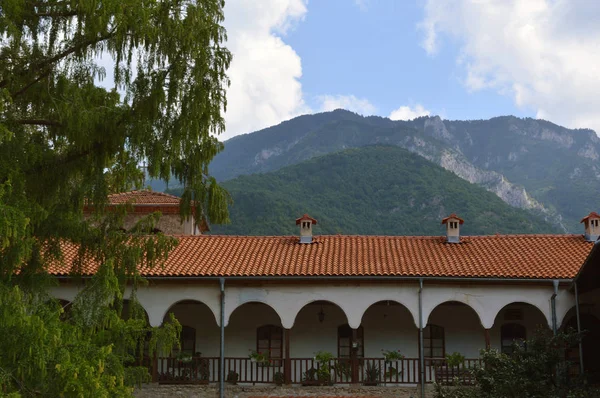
<point x="212" y="391"/>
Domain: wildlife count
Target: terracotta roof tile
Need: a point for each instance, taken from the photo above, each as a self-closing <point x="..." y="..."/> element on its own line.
<point x="143" y="197"/>
<point x="499" y="256"/>
<point x="591" y="215"/>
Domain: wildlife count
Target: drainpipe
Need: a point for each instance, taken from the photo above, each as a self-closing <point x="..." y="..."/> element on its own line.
<point x="421" y="348"/>
<point x="222" y="348"/>
<point x="579" y="330"/>
<point x="553" y="301"/>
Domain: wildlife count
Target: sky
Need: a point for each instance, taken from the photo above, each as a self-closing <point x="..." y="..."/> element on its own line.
<point x="459" y="59"/>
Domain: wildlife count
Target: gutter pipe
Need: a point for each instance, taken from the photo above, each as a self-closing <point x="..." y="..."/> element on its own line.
<point x="581" y="369"/>
<point x="222" y="342"/>
<point x="349" y="277"/>
<point x="553" y="303"/>
<point x="421" y="348"/>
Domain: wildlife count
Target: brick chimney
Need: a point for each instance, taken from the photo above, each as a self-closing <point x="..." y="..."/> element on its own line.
<point x="453" y="223"/>
<point x="591" y="223"/>
<point x="306" y="222"/>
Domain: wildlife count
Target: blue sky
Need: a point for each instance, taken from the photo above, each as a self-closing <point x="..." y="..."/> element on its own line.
<point x="460" y="59"/>
<point x="374" y="52"/>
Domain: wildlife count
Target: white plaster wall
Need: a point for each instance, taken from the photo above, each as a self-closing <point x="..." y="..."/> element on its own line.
<point x="532" y="320"/>
<point x="488" y="300"/>
<point x="309" y="335"/>
<point x="462" y="329"/>
<point x="352" y="298"/>
<point x="201" y="318"/>
<point x="157" y="299"/>
<point x="240" y="333"/>
<point x="390" y="328"/>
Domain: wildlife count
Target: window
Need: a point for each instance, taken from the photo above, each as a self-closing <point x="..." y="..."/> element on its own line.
<point x="434" y="343"/>
<point x="345" y="342"/>
<point x="188" y="340"/>
<point x="510" y="333"/>
<point x="269" y="340"/>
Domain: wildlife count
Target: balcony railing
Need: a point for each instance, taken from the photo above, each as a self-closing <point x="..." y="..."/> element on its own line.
<point x="373" y="371"/>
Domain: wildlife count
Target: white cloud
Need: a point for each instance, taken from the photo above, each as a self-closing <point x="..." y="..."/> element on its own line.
<point x="544" y="53"/>
<point x="348" y="102"/>
<point x="408" y="113"/>
<point x="265" y="71"/>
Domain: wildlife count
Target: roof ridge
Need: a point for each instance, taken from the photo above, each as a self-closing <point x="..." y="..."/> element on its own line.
<point x="428" y="237"/>
<point x="144" y="191"/>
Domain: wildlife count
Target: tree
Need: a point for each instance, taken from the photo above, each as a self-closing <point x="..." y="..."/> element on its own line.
<point x="536" y="368"/>
<point x="65" y="142"/>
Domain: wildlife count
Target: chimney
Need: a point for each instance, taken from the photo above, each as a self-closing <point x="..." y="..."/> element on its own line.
<point x="306" y="222"/>
<point x="453" y="223"/>
<point x="592" y="226"/>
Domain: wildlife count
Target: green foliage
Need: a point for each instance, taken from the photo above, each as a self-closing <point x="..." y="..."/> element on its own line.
<point x="233" y="377"/>
<point x="372" y="373"/>
<point x="279" y="378"/>
<point x="554" y="164"/>
<point x="455" y="359"/>
<point x="369" y="191"/>
<point x="536" y="369"/>
<point x="65" y="143"/>
<point x="392" y="355"/>
<point x="323" y="359"/>
<point x="43" y="355"/>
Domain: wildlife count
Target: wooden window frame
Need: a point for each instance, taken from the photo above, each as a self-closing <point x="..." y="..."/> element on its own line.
<point x="189" y="329"/>
<point x="360" y="335"/>
<point x="507" y="349"/>
<point x="430" y="355"/>
<point x="269" y="330"/>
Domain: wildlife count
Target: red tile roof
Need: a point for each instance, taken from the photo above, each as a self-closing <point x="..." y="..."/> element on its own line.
<point x="305" y="217"/>
<point x="591" y="215"/>
<point x="499" y="256"/>
<point x="460" y="220"/>
<point x="143" y="197"/>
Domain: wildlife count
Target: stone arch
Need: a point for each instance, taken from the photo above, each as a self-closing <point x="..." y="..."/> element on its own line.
<point x="414" y="312"/>
<point x="389" y="325"/>
<point x="186" y="301"/>
<point x="200" y="326"/>
<point x="498" y="307"/>
<point x="322" y="318"/>
<point x="301" y="305"/>
<point x="475" y="305"/>
<point x="157" y="302"/>
<point x="520" y="314"/>
<point x="229" y="314"/>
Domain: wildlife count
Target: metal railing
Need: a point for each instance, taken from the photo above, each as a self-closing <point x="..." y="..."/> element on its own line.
<point x="373" y="371"/>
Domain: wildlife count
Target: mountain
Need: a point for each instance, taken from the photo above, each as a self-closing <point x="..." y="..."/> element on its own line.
<point x="529" y="164"/>
<point x="373" y="190"/>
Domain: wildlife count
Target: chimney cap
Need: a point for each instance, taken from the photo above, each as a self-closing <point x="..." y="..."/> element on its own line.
<point x="305" y="217"/>
<point x="454" y="216"/>
<point x="591" y="215"/>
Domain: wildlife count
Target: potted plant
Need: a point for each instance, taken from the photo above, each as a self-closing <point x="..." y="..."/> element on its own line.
<point x="392" y="365"/>
<point x="392" y="356"/>
<point x="278" y="378"/>
<point x="320" y="376"/>
<point x="452" y="369"/>
<point x="184" y="357"/>
<point x="323" y="359"/>
<point x="372" y="375"/>
<point x="233" y="377"/>
<point x="258" y="357"/>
